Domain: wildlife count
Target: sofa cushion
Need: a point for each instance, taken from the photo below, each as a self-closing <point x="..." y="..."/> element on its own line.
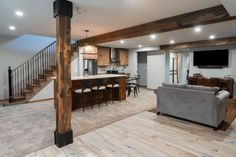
<point x="203" y="88"/>
<point x="173" y="85"/>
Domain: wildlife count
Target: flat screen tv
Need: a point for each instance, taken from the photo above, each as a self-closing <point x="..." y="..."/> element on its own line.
<point x="211" y="58"/>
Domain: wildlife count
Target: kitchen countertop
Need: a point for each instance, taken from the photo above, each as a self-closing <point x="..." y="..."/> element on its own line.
<point x="95" y="76"/>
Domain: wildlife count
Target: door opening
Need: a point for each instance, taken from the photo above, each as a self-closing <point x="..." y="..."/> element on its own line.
<point x="142" y="68"/>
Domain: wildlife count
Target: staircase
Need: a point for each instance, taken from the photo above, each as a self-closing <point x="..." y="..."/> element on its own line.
<point x="29" y="78"/>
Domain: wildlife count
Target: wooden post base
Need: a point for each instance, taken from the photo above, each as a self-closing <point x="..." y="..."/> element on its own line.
<point x="63" y="139"/>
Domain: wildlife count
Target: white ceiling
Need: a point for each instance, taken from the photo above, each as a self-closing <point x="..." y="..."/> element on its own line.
<point x="230" y="6"/>
<point x="99" y="16"/>
<point x="220" y="30"/>
<point x="103" y="16"/>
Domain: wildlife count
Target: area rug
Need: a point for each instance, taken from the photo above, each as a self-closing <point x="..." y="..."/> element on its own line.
<point x="231" y="115"/>
<point x="29" y="127"/>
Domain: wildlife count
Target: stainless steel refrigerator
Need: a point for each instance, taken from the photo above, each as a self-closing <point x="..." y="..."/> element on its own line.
<point x="90" y="67"/>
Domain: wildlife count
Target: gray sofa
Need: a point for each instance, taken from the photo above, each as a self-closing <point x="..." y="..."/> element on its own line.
<point x="195" y="103"/>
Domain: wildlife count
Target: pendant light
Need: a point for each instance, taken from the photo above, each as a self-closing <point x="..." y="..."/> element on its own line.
<point x="89" y="49"/>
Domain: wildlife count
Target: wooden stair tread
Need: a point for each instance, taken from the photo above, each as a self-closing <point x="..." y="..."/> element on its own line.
<point x="35" y="85"/>
<point x="16" y="98"/>
<point x="41" y="77"/>
<point x="54" y="67"/>
<point x="28" y="91"/>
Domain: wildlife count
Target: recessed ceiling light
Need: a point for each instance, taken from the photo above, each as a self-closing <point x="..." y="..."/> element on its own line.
<point x="172" y="42"/>
<point x="197" y="29"/>
<point x="211" y="37"/>
<point x="153" y="36"/>
<point x="19" y="13"/>
<point x="122" y="41"/>
<point x="140" y="46"/>
<point x="12" y="28"/>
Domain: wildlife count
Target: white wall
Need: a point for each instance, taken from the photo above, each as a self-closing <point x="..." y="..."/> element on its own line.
<point x="210" y="72"/>
<point x="48" y="91"/>
<point x="133" y="58"/>
<point x="6" y="38"/>
<point x="187" y="63"/>
<point x="156" y="65"/>
<point x="185" y="67"/>
<point x="45" y="93"/>
<point x="75" y="67"/>
<point x="15" y="51"/>
<point x="233" y="66"/>
<point x="155" y="69"/>
<point x="132" y="68"/>
<point x="231" y="70"/>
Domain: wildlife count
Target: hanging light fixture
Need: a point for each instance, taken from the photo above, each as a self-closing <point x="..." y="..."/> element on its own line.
<point x="89" y="49"/>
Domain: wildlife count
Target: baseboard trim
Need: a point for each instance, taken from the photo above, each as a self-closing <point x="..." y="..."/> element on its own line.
<point x="40" y="100"/>
<point x="3" y="99"/>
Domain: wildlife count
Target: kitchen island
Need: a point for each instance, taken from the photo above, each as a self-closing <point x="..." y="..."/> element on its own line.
<point x="119" y="92"/>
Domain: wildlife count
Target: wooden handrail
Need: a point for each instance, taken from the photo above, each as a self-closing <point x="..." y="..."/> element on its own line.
<point x="25" y="76"/>
<point x="35" y="54"/>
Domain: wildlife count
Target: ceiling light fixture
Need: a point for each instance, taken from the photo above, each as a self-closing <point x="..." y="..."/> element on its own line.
<point x="88" y="49"/>
<point x="19" y="13"/>
<point x="122" y="41"/>
<point x="197" y="29"/>
<point x="12" y="28"/>
<point x="140" y="46"/>
<point x="153" y="36"/>
<point x="172" y="42"/>
<point x="211" y="37"/>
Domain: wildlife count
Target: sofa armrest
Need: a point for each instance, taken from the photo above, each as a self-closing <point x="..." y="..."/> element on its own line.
<point x="222" y="96"/>
<point x="220" y="106"/>
<point x="155" y="91"/>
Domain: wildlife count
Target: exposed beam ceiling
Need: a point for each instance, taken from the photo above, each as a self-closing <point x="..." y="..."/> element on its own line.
<point x="202" y="17"/>
<point x="203" y="43"/>
<point x="220" y="30"/>
<point x="98" y="17"/>
<point x="230" y="6"/>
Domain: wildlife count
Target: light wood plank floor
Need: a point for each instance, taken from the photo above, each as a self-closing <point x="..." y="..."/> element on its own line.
<point x="148" y="135"/>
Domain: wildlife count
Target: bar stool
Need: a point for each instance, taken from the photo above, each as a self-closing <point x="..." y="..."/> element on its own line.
<point x="133" y="86"/>
<point x="137" y="78"/>
<point x="99" y="92"/>
<point x="82" y="97"/>
<point x="114" y="87"/>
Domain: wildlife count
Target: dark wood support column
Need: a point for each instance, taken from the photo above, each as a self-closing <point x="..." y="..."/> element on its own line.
<point x="63" y="99"/>
<point x="122" y="88"/>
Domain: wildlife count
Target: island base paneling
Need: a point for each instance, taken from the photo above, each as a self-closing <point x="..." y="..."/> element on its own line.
<point x="89" y="99"/>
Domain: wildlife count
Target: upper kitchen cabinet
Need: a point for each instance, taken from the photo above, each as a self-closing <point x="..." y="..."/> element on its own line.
<point x="104" y="54"/>
<point x="122" y="55"/>
<point x="89" y="52"/>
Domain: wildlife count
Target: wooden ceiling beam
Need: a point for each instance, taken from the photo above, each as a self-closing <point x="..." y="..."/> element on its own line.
<point x="202" y="43"/>
<point x="201" y="17"/>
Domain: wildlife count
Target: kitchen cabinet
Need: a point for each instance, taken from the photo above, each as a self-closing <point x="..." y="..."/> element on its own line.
<point x="90" y="57"/>
<point x="104" y="55"/>
<point x="90" y="52"/>
<point x="122" y="56"/>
